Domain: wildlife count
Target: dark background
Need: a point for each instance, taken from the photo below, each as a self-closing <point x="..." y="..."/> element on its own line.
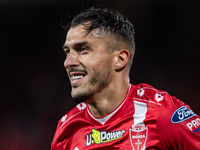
<point x="34" y="87"/>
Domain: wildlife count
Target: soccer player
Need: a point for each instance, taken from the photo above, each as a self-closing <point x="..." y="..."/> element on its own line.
<point x="111" y="113"/>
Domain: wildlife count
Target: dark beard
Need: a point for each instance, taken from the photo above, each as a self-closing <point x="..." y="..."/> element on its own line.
<point x="82" y="98"/>
<point x="94" y="81"/>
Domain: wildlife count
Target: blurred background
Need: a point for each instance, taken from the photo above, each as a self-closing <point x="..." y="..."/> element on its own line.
<point x="34" y="87"/>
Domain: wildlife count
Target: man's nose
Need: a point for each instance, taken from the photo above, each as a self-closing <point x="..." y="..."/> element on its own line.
<point x="71" y="60"/>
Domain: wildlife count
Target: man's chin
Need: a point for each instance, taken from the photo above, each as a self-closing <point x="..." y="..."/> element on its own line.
<point x="81" y="97"/>
<point x="78" y="99"/>
<point x="74" y="86"/>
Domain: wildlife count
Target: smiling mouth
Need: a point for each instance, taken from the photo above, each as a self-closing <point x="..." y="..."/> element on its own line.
<point x="76" y="76"/>
<point x="75" y="80"/>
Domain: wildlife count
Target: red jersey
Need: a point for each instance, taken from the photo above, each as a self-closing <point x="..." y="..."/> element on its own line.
<point x="146" y="119"/>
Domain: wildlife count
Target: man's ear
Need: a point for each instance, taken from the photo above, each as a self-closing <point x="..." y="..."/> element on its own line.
<point x="122" y="59"/>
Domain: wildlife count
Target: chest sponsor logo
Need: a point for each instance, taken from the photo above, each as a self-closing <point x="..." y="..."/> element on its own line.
<point x="181" y="114"/>
<point x="138" y="137"/>
<point x="100" y="137"/>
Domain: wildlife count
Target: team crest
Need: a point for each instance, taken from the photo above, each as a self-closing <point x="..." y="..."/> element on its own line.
<point x="138" y="137"/>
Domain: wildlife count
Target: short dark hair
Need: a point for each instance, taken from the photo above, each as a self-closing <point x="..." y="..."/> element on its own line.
<point x="110" y="21"/>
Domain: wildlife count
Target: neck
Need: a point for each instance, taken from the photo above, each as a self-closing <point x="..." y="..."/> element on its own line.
<point x="109" y="98"/>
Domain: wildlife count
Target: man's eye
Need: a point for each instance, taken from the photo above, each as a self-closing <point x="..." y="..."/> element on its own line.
<point x="67" y="51"/>
<point x="82" y="49"/>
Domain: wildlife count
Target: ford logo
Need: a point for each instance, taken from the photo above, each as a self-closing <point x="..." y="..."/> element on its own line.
<point x="181" y="114"/>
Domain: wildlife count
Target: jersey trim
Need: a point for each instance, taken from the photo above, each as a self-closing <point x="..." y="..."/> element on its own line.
<point x="139" y="99"/>
<point x="140" y="113"/>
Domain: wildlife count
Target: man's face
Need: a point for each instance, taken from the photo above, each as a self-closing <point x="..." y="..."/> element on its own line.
<point x="88" y="63"/>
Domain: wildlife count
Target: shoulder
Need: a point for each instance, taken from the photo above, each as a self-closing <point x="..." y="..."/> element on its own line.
<point x="158" y="100"/>
<point x="149" y="94"/>
<point x="66" y="123"/>
<point x="75" y="112"/>
<point x="172" y="115"/>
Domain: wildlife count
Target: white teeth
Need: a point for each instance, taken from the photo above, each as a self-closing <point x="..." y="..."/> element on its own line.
<point x="76" y="77"/>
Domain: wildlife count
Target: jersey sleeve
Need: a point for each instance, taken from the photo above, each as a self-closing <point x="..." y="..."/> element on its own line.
<point x="178" y="125"/>
<point x="64" y="128"/>
<point x="57" y="142"/>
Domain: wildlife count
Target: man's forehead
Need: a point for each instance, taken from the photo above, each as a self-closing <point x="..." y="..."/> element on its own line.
<point x="76" y="31"/>
<point x="83" y="29"/>
<point x="79" y="33"/>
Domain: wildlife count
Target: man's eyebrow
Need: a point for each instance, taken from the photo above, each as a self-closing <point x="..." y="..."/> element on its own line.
<point x="77" y="44"/>
<point x="65" y="47"/>
<point x="81" y="43"/>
